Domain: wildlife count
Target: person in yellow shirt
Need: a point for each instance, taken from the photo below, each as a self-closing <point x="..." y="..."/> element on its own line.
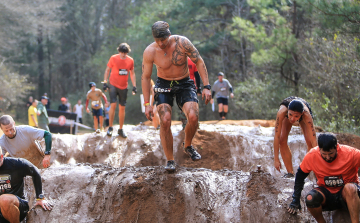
<point x="32" y="114"/>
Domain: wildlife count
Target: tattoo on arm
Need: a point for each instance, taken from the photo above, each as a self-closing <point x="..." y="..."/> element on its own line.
<point x="277" y="124"/>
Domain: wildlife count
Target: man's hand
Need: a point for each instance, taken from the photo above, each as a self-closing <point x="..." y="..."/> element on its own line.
<point x="231" y="95"/>
<point x="46" y="205"/>
<point x="87" y="110"/>
<point x="134" y="90"/>
<point x="294" y="206"/>
<point x="277" y="164"/>
<point x="46" y="161"/>
<point x="105" y="86"/>
<point x="211" y="101"/>
<point x="149" y="112"/>
<point x="207" y="94"/>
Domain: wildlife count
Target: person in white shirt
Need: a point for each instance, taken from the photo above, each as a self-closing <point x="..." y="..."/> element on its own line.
<point x="78" y="109"/>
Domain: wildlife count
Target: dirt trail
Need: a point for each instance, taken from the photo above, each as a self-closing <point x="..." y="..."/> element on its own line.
<point x="95" y="178"/>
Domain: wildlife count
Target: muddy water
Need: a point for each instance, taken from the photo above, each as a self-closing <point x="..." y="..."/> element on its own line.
<point x="96" y="178"/>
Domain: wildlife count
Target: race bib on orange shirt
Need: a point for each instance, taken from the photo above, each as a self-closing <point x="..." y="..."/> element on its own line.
<point x="334" y="181"/>
<point x="123" y="72"/>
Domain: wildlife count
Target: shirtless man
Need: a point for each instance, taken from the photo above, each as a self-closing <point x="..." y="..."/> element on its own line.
<point x="95" y="95"/>
<point x="292" y="110"/>
<point x="169" y="53"/>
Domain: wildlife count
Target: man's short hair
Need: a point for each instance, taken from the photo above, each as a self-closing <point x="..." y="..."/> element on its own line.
<point x="6" y="120"/>
<point x="160" y="30"/>
<point x="124" y="48"/>
<point x="327" y="141"/>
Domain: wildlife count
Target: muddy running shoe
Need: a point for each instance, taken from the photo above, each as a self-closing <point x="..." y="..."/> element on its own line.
<point x="194" y="155"/>
<point x="97" y="131"/>
<point x="170" y="166"/>
<point x="122" y="133"/>
<point x="109" y="131"/>
<point x="288" y="175"/>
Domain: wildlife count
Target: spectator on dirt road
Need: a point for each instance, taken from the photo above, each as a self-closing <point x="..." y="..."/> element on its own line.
<point x="221" y="89"/>
<point x="30" y="101"/>
<point x="48" y="103"/>
<point x="43" y="118"/>
<point x="169" y="53"/>
<point x="22" y="142"/>
<point x="33" y="114"/>
<point x="95" y="95"/>
<point x="78" y="109"/>
<point x="120" y="65"/>
<point x="63" y="107"/>
<point x="13" y="206"/>
<point x="293" y="110"/>
<point x="336" y="169"/>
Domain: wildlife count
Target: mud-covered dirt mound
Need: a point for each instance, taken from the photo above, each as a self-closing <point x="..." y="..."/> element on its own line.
<point x="131" y="185"/>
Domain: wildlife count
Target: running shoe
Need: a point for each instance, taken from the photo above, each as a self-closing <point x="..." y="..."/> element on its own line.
<point x="109" y="131"/>
<point x="194" y="155"/>
<point x="122" y="133"/>
<point x="288" y="175"/>
<point x="170" y="166"/>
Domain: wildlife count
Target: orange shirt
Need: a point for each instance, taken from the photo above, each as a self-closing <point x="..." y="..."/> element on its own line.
<point x="120" y="70"/>
<point x="192" y="70"/>
<point x="333" y="176"/>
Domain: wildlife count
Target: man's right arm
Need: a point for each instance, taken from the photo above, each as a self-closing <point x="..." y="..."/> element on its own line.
<point x="298" y="187"/>
<point x="106" y="74"/>
<point x="147" y="66"/>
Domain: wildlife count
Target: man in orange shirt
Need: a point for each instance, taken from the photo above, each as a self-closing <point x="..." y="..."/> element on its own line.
<point x="336" y="168"/>
<point x="120" y="65"/>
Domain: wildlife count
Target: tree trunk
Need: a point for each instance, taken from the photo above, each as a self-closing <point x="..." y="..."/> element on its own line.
<point x="41" y="82"/>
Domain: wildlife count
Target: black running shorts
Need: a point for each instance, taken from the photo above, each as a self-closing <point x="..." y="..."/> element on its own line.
<point x="223" y="101"/>
<point x="23" y="208"/>
<point x="334" y="201"/>
<point x="184" y="90"/>
<point x="114" y="92"/>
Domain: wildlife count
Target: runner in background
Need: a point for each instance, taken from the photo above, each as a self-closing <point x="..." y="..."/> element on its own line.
<point x="95" y="95"/>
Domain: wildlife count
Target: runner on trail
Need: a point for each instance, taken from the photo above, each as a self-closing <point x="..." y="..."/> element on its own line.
<point x="95" y="95"/>
<point x="120" y="65"/>
<point x="221" y="89"/>
<point x="22" y="142"/>
<point x="169" y="53"/>
<point x="13" y="206"/>
<point x="336" y="169"/>
<point x="293" y="110"/>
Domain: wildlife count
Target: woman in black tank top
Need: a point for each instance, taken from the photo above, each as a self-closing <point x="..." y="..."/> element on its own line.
<point x="292" y="110"/>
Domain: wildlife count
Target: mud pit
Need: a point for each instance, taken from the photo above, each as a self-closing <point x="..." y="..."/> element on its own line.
<point x="95" y="178"/>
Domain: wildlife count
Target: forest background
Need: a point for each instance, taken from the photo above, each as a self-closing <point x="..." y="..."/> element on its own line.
<point x="268" y="50"/>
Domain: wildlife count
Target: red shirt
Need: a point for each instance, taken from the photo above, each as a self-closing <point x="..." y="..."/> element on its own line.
<point x="192" y="70"/>
<point x="120" y="70"/>
<point x="333" y="176"/>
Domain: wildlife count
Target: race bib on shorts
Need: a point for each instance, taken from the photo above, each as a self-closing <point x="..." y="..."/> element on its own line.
<point x="95" y="103"/>
<point x="5" y="183"/>
<point x="123" y="72"/>
<point x="334" y="181"/>
<point x="162" y="90"/>
<point x="223" y="89"/>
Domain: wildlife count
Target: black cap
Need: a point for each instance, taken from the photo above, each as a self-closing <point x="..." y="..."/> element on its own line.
<point x="220" y="74"/>
<point x="91" y="84"/>
<point x="44" y="97"/>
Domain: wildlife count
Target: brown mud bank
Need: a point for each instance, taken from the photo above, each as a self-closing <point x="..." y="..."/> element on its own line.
<point x="96" y="178"/>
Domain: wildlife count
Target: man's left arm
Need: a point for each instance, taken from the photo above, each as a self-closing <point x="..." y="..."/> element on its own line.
<point x="33" y="171"/>
<point x="133" y="81"/>
<point x="48" y="143"/>
<point x="231" y="90"/>
<point x="195" y="57"/>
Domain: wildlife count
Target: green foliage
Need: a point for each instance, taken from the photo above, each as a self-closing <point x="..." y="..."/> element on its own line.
<point x="260" y="98"/>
